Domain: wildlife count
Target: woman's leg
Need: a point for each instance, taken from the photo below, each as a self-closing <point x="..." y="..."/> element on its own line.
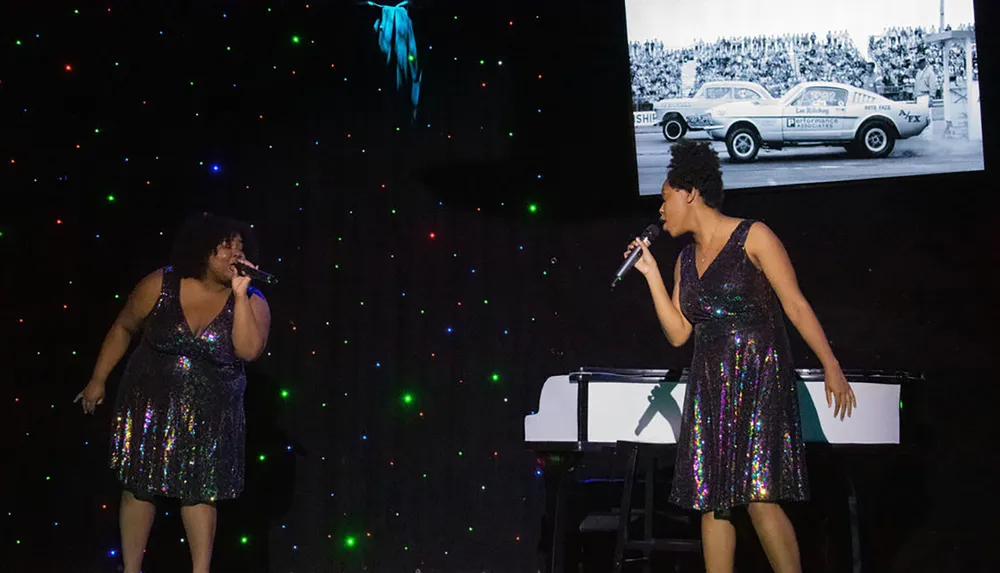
<point x="777" y="536"/>
<point x="135" y="519"/>
<point x="718" y="543"/>
<point x="199" y="523"/>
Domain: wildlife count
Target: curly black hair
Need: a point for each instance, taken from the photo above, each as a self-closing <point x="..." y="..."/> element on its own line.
<point x="199" y="237"/>
<point x="695" y="165"/>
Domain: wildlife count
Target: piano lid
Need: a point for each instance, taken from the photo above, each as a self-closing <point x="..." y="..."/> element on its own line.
<point x="646" y="375"/>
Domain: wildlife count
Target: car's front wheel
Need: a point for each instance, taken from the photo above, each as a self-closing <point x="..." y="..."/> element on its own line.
<point x="742" y="144"/>
<point x="674" y="127"/>
<point x="875" y="140"/>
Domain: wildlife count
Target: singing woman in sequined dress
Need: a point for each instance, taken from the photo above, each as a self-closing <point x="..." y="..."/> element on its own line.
<point x="178" y="426"/>
<point x="740" y="442"/>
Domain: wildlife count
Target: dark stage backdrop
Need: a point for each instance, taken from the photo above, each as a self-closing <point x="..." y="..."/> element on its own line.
<point x="435" y="270"/>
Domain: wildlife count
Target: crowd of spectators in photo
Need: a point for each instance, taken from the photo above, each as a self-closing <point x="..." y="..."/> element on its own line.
<point x="780" y="62"/>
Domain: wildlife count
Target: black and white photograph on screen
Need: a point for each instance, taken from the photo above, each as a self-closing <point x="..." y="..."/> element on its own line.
<point x="792" y="94"/>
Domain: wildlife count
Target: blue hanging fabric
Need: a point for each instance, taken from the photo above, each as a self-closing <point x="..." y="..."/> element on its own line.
<point x="395" y="34"/>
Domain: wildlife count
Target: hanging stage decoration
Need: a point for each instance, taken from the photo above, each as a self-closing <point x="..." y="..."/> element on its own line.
<point x="395" y="34"/>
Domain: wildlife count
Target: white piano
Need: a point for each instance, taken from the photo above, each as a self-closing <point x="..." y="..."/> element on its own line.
<point x="586" y="413"/>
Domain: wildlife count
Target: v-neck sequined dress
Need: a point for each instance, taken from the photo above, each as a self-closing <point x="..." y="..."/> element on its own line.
<point x="179" y="426"/>
<point x="741" y="435"/>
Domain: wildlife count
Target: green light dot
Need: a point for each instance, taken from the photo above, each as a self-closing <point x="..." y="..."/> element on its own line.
<point x="350" y="541"/>
<point x="323" y="405"/>
<point x="284" y="393"/>
<point x="295" y="39"/>
<point x="425" y="476"/>
<point x="261" y="457"/>
<point x="460" y="453"/>
<point x="470" y="528"/>
<point x="410" y="57"/>
<point x="345" y="341"/>
<point x="481" y="62"/>
<point x="48" y="478"/>
<point x="192" y="83"/>
<point x="421" y="312"/>
<point x="111" y="198"/>
<point x="97" y="130"/>
<point x="496" y="377"/>
<point x="336" y="266"/>
<point x="18" y="42"/>
<point x="244" y="540"/>
<point x="74" y="353"/>
<point x="393" y="211"/>
<point x="532" y="208"/>
<point x="486" y="302"/>
<point x="116" y="64"/>
<point x="407" y="398"/>
<point x="510" y="134"/>
<point x="117" y="297"/>
<point x="76" y="11"/>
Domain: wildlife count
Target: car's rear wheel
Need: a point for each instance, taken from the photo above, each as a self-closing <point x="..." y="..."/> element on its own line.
<point x="742" y="144"/>
<point x="875" y="140"/>
<point x="674" y="127"/>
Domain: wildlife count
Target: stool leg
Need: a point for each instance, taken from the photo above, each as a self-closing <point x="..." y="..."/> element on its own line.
<point x="625" y="513"/>
<point x="647" y="528"/>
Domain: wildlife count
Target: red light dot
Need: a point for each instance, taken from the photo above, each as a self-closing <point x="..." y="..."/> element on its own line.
<point x="104" y="506"/>
<point x="432" y="235"/>
<point x="460" y="381"/>
<point x="293" y="72"/>
<point x="383" y="185"/>
<point x="348" y="136"/>
<point x="484" y="84"/>
<point x="518" y="538"/>
<point x="147" y="182"/>
<point x="449" y="137"/>
<point x="333" y="65"/>
<point x="433" y="354"/>
<point x="69" y="68"/>
<point x="12" y="161"/>
<point x="65" y="307"/>
<point x="391" y="463"/>
<point x="539" y="76"/>
<point x="459" y="303"/>
<point x="421" y="414"/>
<point x="78" y="146"/>
<point x="314" y="353"/>
<point x="20" y="320"/>
<point x="294" y="328"/>
<point x="510" y="23"/>
<point x="58" y="221"/>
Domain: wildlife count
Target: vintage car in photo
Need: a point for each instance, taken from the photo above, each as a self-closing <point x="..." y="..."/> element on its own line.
<point x="678" y="116"/>
<point x="817" y="113"/>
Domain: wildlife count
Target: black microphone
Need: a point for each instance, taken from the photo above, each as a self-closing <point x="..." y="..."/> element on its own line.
<point x="647" y="237"/>
<point x="248" y="271"/>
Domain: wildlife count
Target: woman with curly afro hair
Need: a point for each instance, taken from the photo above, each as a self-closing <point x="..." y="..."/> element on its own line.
<point x="179" y="426"/>
<point x="740" y="443"/>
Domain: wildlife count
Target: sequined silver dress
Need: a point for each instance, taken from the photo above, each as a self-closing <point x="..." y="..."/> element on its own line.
<point x="178" y="428"/>
<point x="741" y="435"/>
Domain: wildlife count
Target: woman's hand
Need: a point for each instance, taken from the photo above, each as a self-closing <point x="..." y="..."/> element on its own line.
<point x="92" y="396"/>
<point x="645" y="263"/>
<point x="240" y="282"/>
<point x="843" y="396"/>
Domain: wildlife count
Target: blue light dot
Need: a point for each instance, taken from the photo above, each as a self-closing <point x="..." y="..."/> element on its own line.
<point x="378" y="365"/>
<point x="505" y="332"/>
<point x="449" y="330"/>
<point x="216" y="168"/>
<point x="473" y="271"/>
<point x="538" y="472"/>
<point x="539" y="176"/>
<point x="364" y="437"/>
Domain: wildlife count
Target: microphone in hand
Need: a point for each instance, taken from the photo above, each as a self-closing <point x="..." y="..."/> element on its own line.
<point x="256" y="274"/>
<point x="647" y="237"/>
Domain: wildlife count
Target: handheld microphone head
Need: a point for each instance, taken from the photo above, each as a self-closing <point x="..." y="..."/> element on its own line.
<point x="246" y="270"/>
<point x="647" y="237"/>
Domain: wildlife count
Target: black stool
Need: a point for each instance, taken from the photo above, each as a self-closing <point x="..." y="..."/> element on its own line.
<point x="648" y="544"/>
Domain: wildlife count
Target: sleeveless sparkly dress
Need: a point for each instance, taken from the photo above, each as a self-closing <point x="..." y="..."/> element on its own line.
<point x="179" y="427"/>
<point x="741" y="436"/>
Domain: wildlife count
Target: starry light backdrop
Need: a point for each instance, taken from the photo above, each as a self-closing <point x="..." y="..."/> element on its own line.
<point x="435" y="269"/>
